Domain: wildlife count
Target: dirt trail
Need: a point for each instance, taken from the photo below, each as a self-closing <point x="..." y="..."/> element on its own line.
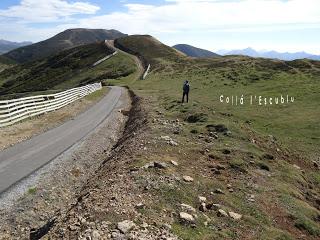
<point x="141" y="70"/>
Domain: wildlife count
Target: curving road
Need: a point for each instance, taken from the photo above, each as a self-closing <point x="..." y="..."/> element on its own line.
<point x="23" y="159"/>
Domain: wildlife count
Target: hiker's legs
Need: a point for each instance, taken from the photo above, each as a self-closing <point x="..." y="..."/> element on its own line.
<point x="183" y="97"/>
<point x="187" y="96"/>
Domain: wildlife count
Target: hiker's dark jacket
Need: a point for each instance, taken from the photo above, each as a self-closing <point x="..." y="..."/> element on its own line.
<point x="186" y="87"/>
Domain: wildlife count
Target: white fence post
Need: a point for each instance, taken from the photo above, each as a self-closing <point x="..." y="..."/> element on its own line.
<point x="15" y="110"/>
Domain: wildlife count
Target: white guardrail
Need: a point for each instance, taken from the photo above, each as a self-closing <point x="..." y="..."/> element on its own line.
<point x="105" y="58"/>
<point x="146" y="72"/>
<point x="15" y="110"/>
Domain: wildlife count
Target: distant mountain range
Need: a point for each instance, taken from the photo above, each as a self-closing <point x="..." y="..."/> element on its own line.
<point x="65" y="40"/>
<point x="270" y="54"/>
<point x="6" y="46"/>
<point x="194" y="51"/>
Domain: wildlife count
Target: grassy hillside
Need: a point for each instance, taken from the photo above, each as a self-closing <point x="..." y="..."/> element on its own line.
<point x="64" y="40"/>
<point x="5" y="63"/>
<point x="70" y="68"/>
<point x="194" y="51"/>
<point x="267" y="154"/>
<point x="150" y="49"/>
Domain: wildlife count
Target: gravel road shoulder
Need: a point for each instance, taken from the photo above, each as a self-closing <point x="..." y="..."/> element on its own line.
<point x="54" y="188"/>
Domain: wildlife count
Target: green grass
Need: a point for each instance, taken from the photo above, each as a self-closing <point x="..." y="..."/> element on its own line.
<point x="97" y="94"/>
<point x="295" y="127"/>
<point x="32" y="190"/>
<point x="68" y="69"/>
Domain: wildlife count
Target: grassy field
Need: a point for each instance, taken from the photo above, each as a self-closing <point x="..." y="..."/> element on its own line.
<point x="268" y="150"/>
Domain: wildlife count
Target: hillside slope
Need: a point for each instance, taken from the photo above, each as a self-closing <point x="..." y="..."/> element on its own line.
<point x="148" y="48"/>
<point x="64" y="40"/>
<point x="70" y="68"/>
<point x="194" y="51"/>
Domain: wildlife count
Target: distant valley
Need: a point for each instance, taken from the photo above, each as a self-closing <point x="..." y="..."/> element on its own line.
<point x="6" y="46"/>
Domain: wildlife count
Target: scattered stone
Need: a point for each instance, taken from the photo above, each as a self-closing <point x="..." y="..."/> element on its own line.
<point x="73" y="228"/>
<point x="222" y="213"/>
<point x="235" y="216"/>
<point x="268" y="156"/>
<point x="187" y="178"/>
<point x="167" y="226"/>
<point x="221" y="167"/>
<point x="219" y="191"/>
<point x="169" y="140"/>
<point x="251" y="198"/>
<point x="188" y="208"/>
<point x="95" y="235"/>
<point x="176" y="131"/>
<point x="186" y="217"/>
<point x="296" y="166"/>
<point x="272" y="138"/>
<point x="226" y="151"/>
<point x="140" y="206"/>
<point x="125" y="226"/>
<point x="203" y="207"/>
<point x="228" y="133"/>
<point x="173" y="143"/>
<point x="212" y="206"/>
<point x="264" y="166"/>
<point x="174" y="163"/>
<point x="116" y="235"/>
<point x="166" y="138"/>
<point x="148" y="165"/>
<point x="216" y="171"/>
<point x="315" y="164"/>
<point x="160" y="165"/>
<point x="202" y="199"/>
<point x="145" y="225"/>
<point x="217" y="128"/>
<point x="214" y="135"/>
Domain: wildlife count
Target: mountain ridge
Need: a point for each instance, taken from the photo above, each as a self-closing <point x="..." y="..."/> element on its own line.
<point x="287" y="56"/>
<point x="192" y="51"/>
<point x="64" y="40"/>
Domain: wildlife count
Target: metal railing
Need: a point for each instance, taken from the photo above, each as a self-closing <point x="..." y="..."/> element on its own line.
<point x="15" y="110"/>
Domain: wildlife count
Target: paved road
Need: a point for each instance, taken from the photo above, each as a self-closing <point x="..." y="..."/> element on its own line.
<point x="25" y="158"/>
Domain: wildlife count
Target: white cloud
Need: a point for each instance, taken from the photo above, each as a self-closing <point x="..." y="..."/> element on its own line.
<point x="39" y="11"/>
<point x="211" y="15"/>
<point x="183" y="20"/>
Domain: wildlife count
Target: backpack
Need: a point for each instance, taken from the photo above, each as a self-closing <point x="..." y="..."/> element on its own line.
<point x="186" y="87"/>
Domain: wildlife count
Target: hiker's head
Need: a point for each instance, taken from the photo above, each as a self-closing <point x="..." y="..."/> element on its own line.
<point x="186" y="81"/>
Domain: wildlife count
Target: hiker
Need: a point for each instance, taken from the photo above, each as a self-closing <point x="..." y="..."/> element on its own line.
<point x="186" y="88"/>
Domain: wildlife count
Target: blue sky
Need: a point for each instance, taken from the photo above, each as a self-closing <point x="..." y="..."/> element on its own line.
<point x="282" y="25"/>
